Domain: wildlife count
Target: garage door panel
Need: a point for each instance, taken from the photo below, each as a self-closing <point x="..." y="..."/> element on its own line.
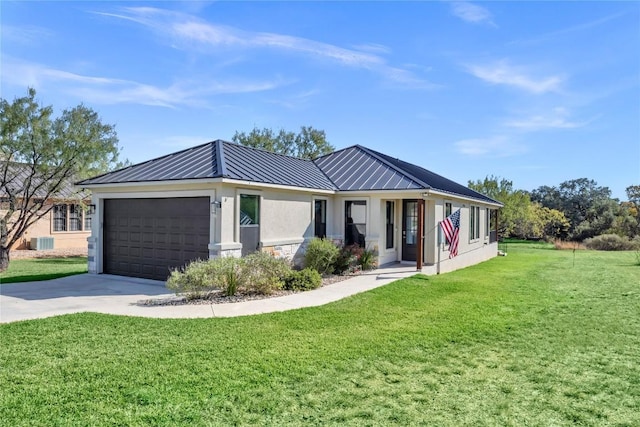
<point x="149" y="237"/>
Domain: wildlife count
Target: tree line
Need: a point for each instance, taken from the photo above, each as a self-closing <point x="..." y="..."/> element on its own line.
<point x="576" y="210"/>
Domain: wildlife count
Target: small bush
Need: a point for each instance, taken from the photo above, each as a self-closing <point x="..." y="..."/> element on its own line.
<point x="228" y="274"/>
<point x="367" y="260"/>
<point x="303" y="280"/>
<point x="265" y="274"/>
<point x="347" y="261"/>
<point x="193" y="281"/>
<point x="320" y="255"/>
<point x="611" y="242"/>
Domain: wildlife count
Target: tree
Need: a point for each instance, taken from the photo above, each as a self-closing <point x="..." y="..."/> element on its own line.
<point x="633" y="194"/>
<point x="40" y="156"/>
<point x="515" y="211"/>
<point x="588" y="207"/>
<point x="309" y="143"/>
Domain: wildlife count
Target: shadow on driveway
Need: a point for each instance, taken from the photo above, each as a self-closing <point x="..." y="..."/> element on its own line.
<point x="83" y="285"/>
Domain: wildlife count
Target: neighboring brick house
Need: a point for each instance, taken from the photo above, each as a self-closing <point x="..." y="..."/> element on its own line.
<point x="66" y="225"/>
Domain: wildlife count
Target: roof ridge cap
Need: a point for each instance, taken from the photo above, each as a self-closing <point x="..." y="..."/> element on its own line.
<point x="221" y="164"/>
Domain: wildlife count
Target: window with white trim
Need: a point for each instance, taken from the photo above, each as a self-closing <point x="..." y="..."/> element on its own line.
<point x="487" y="222"/>
<point x="70" y="217"/>
<point x="355" y="228"/>
<point x="320" y="218"/>
<point x="474" y="222"/>
<point x="448" y="209"/>
<point x="390" y="223"/>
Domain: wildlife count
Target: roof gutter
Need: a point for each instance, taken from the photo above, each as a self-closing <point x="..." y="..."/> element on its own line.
<point x="432" y="192"/>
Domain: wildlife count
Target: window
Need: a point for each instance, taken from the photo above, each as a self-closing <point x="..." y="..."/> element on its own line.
<point x="75" y="218"/>
<point x="70" y="218"/>
<point x="487" y="224"/>
<point x="474" y="222"/>
<point x="87" y="220"/>
<point x="249" y="210"/>
<point x="448" y="208"/>
<point x="60" y="218"/>
<point x="391" y="209"/>
<point x="355" y="216"/>
<point x="320" y="217"/>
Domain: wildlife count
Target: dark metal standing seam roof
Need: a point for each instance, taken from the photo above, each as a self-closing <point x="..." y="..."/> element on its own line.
<point x="251" y="164"/>
<point x="432" y="180"/>
<point x="22" y="180"/>
<point x="192" y="163"/>
<point x="354" y="168"/>
<point x="220" y="159"/>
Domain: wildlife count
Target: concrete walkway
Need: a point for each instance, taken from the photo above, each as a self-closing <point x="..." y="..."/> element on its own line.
<point x="122" y="295"/>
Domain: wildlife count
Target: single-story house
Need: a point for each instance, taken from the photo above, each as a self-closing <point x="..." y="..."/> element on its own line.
<point x="224" y="199"/>
<point x="65" y="222"/>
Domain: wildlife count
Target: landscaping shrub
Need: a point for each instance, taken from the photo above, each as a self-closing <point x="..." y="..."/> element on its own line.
<point x="228" y="274"/>
<point x="321" y="255"/>
<point x="303" y="280"/>
<point x="611" y="242"/>
<point x="349" y="259"/>
<point x="193" y="281"/>
<point x="265" y="274"/>
<point x="367" y="259"/>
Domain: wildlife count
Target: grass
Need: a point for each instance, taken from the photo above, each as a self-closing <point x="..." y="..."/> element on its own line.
<point x="525" y="339"/>
<point x="35" y="269"/>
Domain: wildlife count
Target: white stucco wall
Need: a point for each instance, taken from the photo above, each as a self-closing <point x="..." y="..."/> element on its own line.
<point x="287" y="220"/>
<point x="470" y="251"/>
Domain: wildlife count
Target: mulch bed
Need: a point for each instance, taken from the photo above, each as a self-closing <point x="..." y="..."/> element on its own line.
<point x="217" y="297"/>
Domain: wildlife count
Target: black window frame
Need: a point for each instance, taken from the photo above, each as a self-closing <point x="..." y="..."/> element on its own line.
<point x="60" y="217"/>
<point x="320" y="218"/>
<point x="354" y="232"/>
<point x="390" y="224"/>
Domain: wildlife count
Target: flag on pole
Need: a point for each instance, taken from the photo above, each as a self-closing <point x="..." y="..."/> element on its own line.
<point x="451" y="230"/>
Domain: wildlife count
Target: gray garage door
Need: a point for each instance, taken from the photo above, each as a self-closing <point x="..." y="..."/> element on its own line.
<point x="148" y="237"/>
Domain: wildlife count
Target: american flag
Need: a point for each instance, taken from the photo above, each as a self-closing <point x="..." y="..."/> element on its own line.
<point x="451" y="230"/>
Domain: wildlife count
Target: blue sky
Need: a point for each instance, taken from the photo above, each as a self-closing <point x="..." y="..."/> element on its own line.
<point x="538" y="92"/>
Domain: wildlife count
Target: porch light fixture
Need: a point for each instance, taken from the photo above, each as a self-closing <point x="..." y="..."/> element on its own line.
<point x="426" y="194"/>
<point x="215" y="205"/>
<point x="91" y="209"/>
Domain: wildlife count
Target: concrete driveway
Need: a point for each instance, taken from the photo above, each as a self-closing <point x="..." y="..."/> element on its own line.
<point x="101" y="293"/>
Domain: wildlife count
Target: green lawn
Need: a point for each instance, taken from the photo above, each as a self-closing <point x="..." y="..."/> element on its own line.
<point x="28" y="270"/>
<point x="527" y="339"/>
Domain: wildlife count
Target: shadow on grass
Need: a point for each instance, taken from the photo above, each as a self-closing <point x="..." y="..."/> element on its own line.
<point x="39" y="269"/>
<point x="37" y="277"/>
<point x="57" y="261"/>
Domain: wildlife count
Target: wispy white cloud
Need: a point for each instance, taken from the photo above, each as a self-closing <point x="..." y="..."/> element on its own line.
<point x="494" y="146"/>
<point x="190" y="33"/>
<point x="372" y="48"/>
<point x="104" y="90"/>
<point x="557" y="118"/>
<point x="473" y="13"/>
<point x="296" y="100"/>
<point x="28" y="35"/>
<point x="553" y="35"/>
<point x="503" y="73"/>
